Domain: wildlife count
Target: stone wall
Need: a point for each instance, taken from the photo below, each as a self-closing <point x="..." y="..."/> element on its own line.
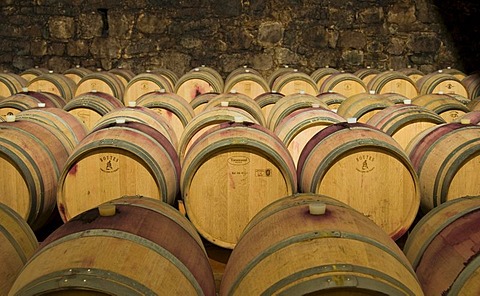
<point x="226" y="34"/>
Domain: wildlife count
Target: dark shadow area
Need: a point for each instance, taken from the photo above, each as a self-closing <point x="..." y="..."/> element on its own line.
<point x="462" y="19"/>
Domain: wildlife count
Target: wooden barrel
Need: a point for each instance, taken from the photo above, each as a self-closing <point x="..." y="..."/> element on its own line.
<point x="437" y="82"/>
<point x="455" y="72"/>
<point x="295" y="82"/>
<point x="32" y="157"/>
<point x="101" y="81"/>
<point x="279" y="72"/>
<point x="412" y="73"/>
<point x="240" y="70"/>
<point x="138" y="114"/>
<point x="396" y="98"/>
<point x="443" y="248"/>
<point x="89" y="107"/>
<point x="443" y="104"/>
<point x="205" y="121"/>
<point x="267" y="100"/>
<point x="77" y="73"/>
<point x="18" y="245"/>
<point x="70" y="129"/>
<point x="445" y="157"/>
<point x="145" y="83"/>
<point x="92" y="254"/>
<point x="11" y="84"/>
<point x="22" y="101"/>
<point x="472" y="84"/>
<point x="465" y="101"/>
<point x="125" y="159"/>
<point x="174" y="109"/>
<point x="332" y="99"/>
<point x="346" y="84"/>
<point x="472" y="117"/>
<point x="34" y="72"/>
<point x="393" y="82"/>
<point x="250" y="166"/>
<point x="125" y="75"/>
<point x="289" y="249"/>
<point x="57" y="84"/>
<point x="321" y="74"/>
<point x="363" y="106"/>
<point x="297" y="128"/>
<point x="198" y="103"/>
<point x="197" y="81"/>
<point x="167" y="73"/>
<point x="404" y="122"/>
<point x="215" y="73"/>
<point x="366" y="74"/>
<point x="290" y="103"/>
<point x="247" y="82"/>
<point x="240" y="101"/>
<point x="474" y="104"/>
<point x="343" y="161"/>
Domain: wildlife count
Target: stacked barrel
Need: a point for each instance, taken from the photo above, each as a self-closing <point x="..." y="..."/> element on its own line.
<point x="294" y="183"/>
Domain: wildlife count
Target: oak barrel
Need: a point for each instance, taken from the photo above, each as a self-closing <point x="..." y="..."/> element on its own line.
<point x="290" y="103"/>
<point x="77" y="73"/>
<point x="89" y="107"/>
<point x="472" y="117"/>
<point x="70" y="130"/>
<point x="393" y="82"/>
<point x="363" y="106"/>
<point x="145" y="83"/>
<point x="367" y="74"/>
<point x="439" y="81"/>
<point x="54" y="83"/>
<point x="346" y="84"/>
<point x="124" y="74"/>
<point x="132" y="245"/>
<point x="443" y="104"/>
<point x="32" y="156"/>
<point x="365" y="168"/>
<point x="198" y="81"/>
<point x="267" y="100"/>
<point x="321" y="74"/>
<point x="124" y="159"/>
<point x="404" y="121"/>
<point x="446" y="158"/>
<point x="443" y="248"/>
<point x="206" y="120"/>
<point x="246" y="81"/>
<point x="11" y="83"/>
<point x="18" y="244"/>
<point x="229" y="174"/>
<point x="413" y="73"/>
<point x="295" y="82"/>
<point x="26" y="100"/>
<point x="34" y="72"/>
<point x="198" y="103"/>
<point x="237" y="100"/>
<point x="297" y="128"/>
<point x="101" y="81"/>
<point x="290" y="249"/>
<point x="174" y="109"/>
<point x="138" y="114"/>
<point x="332" y="99"/>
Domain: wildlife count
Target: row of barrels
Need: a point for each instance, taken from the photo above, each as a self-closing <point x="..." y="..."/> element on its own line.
<point x="301" y="119"/>
<point x="134" y="150"/>
<point x="243" y="161"/>
<point x="297" y="245"/>
<point x="128" y="86"/>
